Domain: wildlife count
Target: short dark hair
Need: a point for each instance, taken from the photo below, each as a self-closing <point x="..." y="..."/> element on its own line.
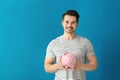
<point x="71" y="13"/>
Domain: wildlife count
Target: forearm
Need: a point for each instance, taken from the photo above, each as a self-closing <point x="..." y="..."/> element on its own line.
<point x="51" y="67"/>
<point x="89" y="66"/>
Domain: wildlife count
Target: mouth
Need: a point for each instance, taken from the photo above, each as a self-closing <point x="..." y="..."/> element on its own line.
<point x="69" y="28"/>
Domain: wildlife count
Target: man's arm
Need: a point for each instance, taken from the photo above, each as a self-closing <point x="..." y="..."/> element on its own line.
<point x="50" y="66"/>
<point x="92" y="63"/>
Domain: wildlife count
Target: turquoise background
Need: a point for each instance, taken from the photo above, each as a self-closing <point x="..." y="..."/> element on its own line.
<point x="27" y="26"/>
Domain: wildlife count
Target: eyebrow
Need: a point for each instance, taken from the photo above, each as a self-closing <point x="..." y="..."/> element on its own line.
<point x="68" y="21"/>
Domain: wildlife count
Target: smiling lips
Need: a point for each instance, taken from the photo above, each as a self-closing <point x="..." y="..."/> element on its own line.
<point x="69" y="28"/>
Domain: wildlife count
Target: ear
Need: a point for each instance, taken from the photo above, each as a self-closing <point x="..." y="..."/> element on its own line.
<point x="65" y="53"/>
<point x="60" y="58"/>
<point x="62" y="22"/>
<point x="75" y="54"/>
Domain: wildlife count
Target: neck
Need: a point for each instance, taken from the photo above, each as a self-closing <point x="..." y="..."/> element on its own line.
<point x="68" y="36"/>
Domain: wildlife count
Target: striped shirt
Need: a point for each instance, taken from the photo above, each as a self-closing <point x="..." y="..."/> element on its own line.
<point x="80" y="46"/>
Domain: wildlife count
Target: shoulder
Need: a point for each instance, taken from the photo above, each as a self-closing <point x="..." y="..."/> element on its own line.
<point x="83" y="39"/>
<point x="55" y="41"/>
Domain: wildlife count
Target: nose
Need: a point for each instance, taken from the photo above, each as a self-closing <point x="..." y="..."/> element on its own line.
<point x="69" y="24"/>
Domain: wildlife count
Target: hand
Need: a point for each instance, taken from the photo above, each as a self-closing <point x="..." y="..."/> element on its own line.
<point x="78" y="65"/>
<point x="60" y="66"/>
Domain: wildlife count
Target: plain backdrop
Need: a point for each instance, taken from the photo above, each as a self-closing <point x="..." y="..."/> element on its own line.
<point x="27" y="26"/>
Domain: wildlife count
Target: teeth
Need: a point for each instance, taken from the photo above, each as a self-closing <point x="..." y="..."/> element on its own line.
<point x="69" y="28"/>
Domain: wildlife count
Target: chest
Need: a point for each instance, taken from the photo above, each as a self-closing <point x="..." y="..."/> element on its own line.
<point x="70" y="47"/>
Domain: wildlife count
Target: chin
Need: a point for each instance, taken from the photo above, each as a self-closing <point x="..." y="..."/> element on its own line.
<point x="70" y="32"/>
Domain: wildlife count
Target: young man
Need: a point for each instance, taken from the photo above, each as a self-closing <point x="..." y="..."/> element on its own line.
<point x="70" y="42"/>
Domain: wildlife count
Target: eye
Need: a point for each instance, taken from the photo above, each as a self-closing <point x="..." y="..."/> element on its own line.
<point x="74" y="22"/>
<point x="67" y="21"/>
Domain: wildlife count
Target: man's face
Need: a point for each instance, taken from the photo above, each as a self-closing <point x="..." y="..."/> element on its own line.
<point x="69" y="23"/>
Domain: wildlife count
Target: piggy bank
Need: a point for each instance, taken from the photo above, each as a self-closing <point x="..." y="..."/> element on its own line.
<point x="68" y="60"/>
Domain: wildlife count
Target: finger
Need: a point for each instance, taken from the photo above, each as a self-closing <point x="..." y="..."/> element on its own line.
<point x="62" y="68"/>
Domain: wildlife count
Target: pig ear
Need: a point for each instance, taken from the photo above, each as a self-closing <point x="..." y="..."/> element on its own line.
<point x="75" y="54"/>
<point x="65" y="53"/>
<point x="60" y="58"/>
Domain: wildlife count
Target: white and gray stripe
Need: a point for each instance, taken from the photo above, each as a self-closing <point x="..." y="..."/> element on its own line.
<point x="80" y="46"/>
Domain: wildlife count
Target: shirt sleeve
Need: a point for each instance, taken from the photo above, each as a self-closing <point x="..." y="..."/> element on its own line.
<point x="89" y="49"/>
<point x="49" y="51"/>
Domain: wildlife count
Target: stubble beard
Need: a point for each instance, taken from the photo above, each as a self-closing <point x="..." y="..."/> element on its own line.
<point x="69" y="32"/>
